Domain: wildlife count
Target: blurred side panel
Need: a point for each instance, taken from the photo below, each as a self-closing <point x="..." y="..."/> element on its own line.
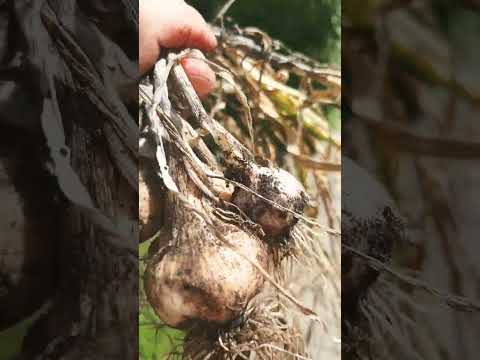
<point x="411" y="103"/>
<point x="68" y="179"/>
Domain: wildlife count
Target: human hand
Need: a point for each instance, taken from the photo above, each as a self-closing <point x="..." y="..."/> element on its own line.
<point x="174" y="24"/>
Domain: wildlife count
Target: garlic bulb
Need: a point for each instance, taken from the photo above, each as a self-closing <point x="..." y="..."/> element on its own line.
<point x="278" y="186"/>
<point x="202" y="279"/>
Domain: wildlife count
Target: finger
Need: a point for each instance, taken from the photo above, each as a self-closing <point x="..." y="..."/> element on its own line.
<point x="188" y="29"/>
<point x="174" y="27"/>
<point x="149" y="54"/>
<point x="200" y="75"/>
<point x="149" y="28"/>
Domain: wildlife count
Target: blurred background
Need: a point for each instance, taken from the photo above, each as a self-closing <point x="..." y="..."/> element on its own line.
<point x="410" y="117"/>
<point x="312" y="27"/>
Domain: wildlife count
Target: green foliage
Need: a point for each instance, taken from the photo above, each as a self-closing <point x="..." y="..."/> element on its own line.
<point x="309" y="26"/>
<point x="333" y="117"/>
<point x="156" y="342"/>
<point x="11" y="340"/>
